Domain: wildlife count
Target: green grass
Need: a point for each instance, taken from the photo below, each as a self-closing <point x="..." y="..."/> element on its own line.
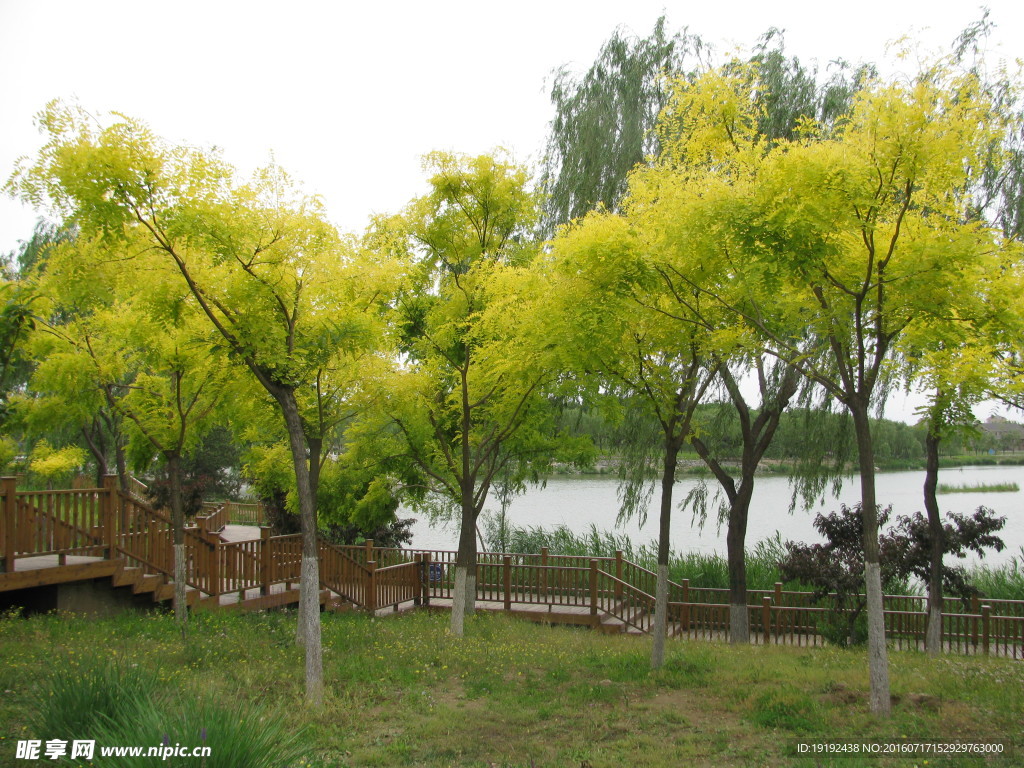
<point x="979" y="488"/>
<point x="401" y="692"/>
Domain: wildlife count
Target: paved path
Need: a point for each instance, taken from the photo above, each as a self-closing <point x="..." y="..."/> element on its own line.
<point x="233" y="533"/>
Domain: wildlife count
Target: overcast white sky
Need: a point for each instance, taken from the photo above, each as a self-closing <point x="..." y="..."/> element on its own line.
<point x="348" y="96"/>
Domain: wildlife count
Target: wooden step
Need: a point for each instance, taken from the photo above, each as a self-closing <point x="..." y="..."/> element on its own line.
<point x="149" y="582"/>
<point x="124" y="577"/>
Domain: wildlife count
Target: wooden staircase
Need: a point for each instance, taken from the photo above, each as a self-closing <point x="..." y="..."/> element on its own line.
<point x="157" y="585"/>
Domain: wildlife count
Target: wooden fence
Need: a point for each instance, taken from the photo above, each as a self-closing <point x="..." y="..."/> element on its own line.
<point x="614" y="587"/>
<point x="238" y="513"/>
<point x="108" y="523"/>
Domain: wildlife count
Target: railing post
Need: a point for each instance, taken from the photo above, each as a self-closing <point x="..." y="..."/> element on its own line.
<point x="425" y="599"/>
<point x="371" y="585"/>
<point x="10" y="485"/>
<point x="618" y="574"/>
<point x="506" y="572"/>
<point x="975" y="609"/>
<point x="109" y="501"/>
<point x="778" y="593"/>
<point x="766" y="618"/>
<point x="421" y="558"/>
<point x="686" y="605"/>
<point x="369" y="551"/>
<point x="544" y="572"/>
<point x="593" y="587"/>
<point x="215" y="575"/>
<point x="986" y="612"/>
<point x="265" y="561"/>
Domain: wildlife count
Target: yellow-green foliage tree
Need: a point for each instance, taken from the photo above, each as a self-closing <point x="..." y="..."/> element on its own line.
<point x="610" y="321"/>
<point x="131" y="340"/>
<point x="465" y="400"/>
<point x="838" y="244"/>
<point x="282" y="290"/>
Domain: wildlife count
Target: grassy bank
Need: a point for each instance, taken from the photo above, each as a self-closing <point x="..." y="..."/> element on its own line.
<point x="402" y="693"/>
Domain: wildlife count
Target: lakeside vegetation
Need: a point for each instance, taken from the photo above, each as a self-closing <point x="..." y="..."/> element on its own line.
<point x="979" y="488"/>
<point x="711" y="570"/>
<point x="403" y="692"/>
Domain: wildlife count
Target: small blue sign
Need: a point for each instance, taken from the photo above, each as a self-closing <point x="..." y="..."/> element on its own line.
<point x="435" y="571"/>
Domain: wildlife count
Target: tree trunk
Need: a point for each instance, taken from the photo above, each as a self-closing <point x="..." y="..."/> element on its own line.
<point x="878" y="658"/>
<point x="933" y="637"/>
<point x="668" y="478"/>
<point x="308" y="631"/>
<point x="178" y="532"/>
<point x="464" y="595"/>
<point x="739" y="511"/>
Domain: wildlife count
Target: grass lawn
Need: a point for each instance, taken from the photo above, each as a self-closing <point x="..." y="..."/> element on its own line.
<point x="401" y="692"/>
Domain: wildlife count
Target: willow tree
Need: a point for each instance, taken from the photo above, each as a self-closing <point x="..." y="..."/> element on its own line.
<point x="853" y="238"/>
<point x="604" y="120"/>
<point x="271" y="275"/>
<point x="465" y="401"/>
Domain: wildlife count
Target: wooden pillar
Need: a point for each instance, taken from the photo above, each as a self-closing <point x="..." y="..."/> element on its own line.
<point x="371" y="586"/>
<point x="593" y="587"/>
<point x="618" y="574"/>
<point x="369" y="551"/>
<point x="109" y="505"/>
<point x="506" y="572"/>
<point x="266" y="563"/>
<point x="686" y="605"/>
<point x="544" y="572"/>
<point x="986" y="613"/>
<point x="975" y="609"/>
<point x="425" y="582"/>
<point x="778" y="593"/>
<point x="766" y="618"/>
<point x="215" y="574"/>
<point x="7" y="534"/>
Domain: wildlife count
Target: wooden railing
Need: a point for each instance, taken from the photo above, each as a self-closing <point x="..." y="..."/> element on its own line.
<point x="237" y="512"/>
<point x="105" y="522"/>
<point x="216" y="517"/>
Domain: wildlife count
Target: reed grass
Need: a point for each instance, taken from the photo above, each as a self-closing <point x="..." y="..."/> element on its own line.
<point x="979" y="488"/>
<point x="703" y="569"/>
<point x="1000" y="582"/>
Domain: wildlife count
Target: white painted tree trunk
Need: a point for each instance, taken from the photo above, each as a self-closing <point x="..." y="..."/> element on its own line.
<point x="739" y="624"/>
<point x="459" y="602"/>
<point x="309" y="626"/>
<point x="933" y="639"/>
<point x="470" y="591"/>
<point x="660" y="628"/>
<point x="878" y="659"/>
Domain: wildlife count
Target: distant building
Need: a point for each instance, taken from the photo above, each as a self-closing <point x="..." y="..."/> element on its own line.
<point x="1003" y="434"/>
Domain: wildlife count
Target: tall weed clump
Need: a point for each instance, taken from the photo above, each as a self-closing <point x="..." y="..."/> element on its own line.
<point x="76" y="698"/>
<point x="118" y="704"/>
<point x="237" y="735"/>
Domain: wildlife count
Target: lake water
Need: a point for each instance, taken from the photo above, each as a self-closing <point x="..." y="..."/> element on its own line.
<point x="578" y="502"/>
